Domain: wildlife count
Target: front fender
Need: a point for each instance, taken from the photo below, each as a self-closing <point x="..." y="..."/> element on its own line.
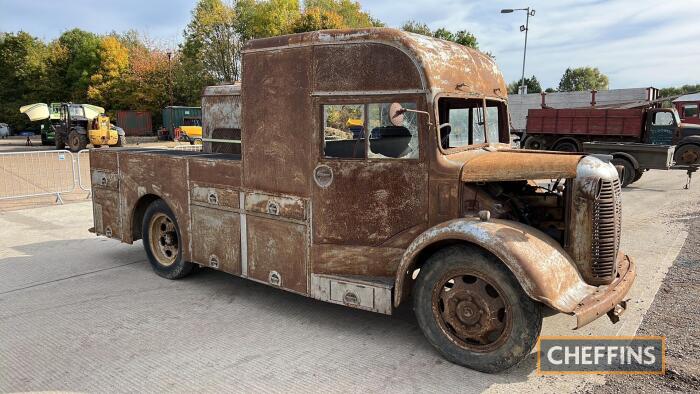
<point x="539" y="263"/>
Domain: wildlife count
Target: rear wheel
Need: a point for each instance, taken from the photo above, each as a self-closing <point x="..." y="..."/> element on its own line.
<point x="473" y="310"/>
<point x="566" y="146"/>
<point x="77" y="141"/>
<point x="626" y="170"/>
<point x="533" y="142"/>
<point x="162" y="241"/>
<point x="687" y="155"/>
<point x="121" y="140"/>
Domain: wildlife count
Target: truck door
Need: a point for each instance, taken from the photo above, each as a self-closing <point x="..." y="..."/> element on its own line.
<point x="370" y="186"/>
<point x="662" y="126"/>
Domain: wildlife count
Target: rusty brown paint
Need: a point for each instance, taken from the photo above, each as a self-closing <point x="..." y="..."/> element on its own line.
<point x="514" y="165"/>
<point x="282" y="206"/>
<point x="216" y="236"/>
<point x="278" y="247"/>
<point x="261" y="213"/>
<point x="604" y="299"/>
<point x="215" y="196"/>
<point x="365" y="260"/>
<point x="282" y="118"/>
<point x="542" y="266"/>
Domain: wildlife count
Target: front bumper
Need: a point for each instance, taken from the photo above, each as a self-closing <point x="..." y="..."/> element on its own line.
<point x="609" y="298"/>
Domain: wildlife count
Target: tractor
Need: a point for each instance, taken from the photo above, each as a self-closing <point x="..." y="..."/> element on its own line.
<point x="77" y="125"/>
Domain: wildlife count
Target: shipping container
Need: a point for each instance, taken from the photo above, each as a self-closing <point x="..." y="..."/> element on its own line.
<point x="174" y="117"/>
<point x="135" y="123"/>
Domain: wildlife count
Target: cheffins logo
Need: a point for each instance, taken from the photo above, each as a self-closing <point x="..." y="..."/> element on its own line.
<point x="601" y="355"/>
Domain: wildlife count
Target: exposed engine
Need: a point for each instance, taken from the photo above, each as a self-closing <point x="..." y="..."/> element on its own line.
<point x="583" y="214"/>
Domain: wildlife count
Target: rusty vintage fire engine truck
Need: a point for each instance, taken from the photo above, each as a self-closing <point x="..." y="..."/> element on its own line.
<point x="371" y="166"/>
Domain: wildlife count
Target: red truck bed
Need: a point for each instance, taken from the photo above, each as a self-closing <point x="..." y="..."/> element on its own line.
<point x="620" y="122"/>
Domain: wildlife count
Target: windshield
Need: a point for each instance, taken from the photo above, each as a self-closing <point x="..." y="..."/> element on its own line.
<point x="76" y="110"/>
<point x="465" y="122"/>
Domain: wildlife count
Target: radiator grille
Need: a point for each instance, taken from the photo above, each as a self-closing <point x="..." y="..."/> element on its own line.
<point x="606" y="230"/>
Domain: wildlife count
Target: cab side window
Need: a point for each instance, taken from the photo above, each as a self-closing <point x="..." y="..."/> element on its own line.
<point x="360" y="131"/>
<point x="387" y="140"/>
<point x="344" y="131"/>
<point x="663" y="119"/>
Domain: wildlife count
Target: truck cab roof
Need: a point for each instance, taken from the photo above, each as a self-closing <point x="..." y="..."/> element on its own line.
<point x="440" y="66"/>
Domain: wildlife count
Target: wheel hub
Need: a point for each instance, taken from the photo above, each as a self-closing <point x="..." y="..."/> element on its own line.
<point x="164" y="241"/>
<point x="690" y="156"/>
<point x="471" y="310"/>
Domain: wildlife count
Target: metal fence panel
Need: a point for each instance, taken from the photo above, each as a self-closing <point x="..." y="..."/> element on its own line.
<point x="28" y="174"/>
<point x="192" y="148"/>
<point x="83" y="169"/>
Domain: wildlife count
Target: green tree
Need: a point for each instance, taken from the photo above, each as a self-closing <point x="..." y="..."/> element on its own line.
<point x="82" y="60"/>
<point x="583" y="78"/>
<point x="461" y="37"/>
<point x="317" y="19"/>
<point x="417" y="27"/>
<point x="24" y="75"/>
<point x="533" y="86"/>
<point x="680" y="90"/>
<point x="350" y="12"/>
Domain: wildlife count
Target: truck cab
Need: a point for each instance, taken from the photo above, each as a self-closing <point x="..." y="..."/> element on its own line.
<point x="664" y="126"/>
<point x="370" y="166"/>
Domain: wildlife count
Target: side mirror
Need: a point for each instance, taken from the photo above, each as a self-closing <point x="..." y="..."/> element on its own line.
<point x="396" y="112"/>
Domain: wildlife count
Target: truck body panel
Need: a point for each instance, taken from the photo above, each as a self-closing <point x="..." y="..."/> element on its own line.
<point x="344" y="169"/>
<point x="596" y="122"/>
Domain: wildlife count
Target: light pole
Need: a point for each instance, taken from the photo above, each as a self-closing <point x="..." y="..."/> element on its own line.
<point x="524" y="28"/>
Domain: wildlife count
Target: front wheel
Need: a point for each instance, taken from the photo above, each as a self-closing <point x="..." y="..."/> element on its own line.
<point x="687" y="155"/>
<point x="163" y="242"/>
<point x="473" y="311"/>
<point x="625" y="170"/>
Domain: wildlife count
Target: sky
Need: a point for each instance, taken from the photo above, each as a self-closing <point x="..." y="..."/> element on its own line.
<point x="637" y="43"/>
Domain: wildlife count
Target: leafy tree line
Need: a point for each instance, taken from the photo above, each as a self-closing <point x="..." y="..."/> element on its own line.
<point x="573" y="80"/>
<point x="126" y="71"/>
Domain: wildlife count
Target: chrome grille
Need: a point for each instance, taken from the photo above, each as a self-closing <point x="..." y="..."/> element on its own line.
<point x="606" y="231"/>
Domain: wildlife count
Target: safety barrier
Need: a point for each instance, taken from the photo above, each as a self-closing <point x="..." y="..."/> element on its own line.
<point x="83" y="168"/>
<point x="53" y="172"/>
<point x="30" y="174"/>
<point x="191" y="148"/>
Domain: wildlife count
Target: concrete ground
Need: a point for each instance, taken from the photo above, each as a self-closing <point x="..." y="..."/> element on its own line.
<point x="80" y="313"/>
<point x="19" y="144"/>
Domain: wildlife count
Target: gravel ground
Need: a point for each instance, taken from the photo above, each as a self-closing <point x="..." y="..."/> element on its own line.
<point x="675" y="314"/>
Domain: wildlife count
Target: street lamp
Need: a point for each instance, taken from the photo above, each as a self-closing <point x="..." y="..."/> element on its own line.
<point x="524" y="28"/>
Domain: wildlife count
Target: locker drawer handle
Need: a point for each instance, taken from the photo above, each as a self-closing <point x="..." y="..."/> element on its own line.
<point x="213" y="199"/>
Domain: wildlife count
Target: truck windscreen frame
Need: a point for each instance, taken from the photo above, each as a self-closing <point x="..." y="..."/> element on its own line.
<point x="470" y="122"/>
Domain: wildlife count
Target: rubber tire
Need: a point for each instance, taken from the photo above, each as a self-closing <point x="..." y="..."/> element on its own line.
<point x="526" y="313"/>
<point x="82" y="140"/>
<point x="59" y="141"/>
<point x="531" y="141"/>
<point x="121" y="141"/>
<point x="566" y="146"/>
<point x="681" y="150"/>
<point x="638" y="175"/>
<point x="180" y="268"/>
<point x="630" y="171"/>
